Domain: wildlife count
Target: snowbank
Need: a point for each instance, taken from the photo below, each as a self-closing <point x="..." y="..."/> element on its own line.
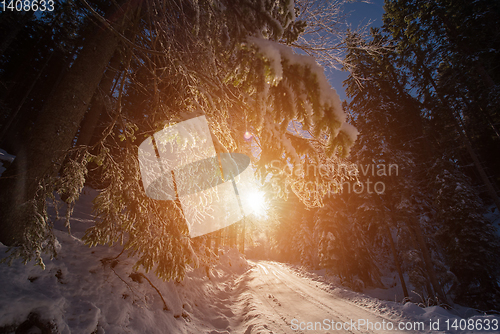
<point x="458" y="316"/>
<point x="86" y="290"/>
<point x="93" y="290"/>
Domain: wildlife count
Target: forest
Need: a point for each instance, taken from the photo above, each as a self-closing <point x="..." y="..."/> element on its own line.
<point x="402" y="177"/>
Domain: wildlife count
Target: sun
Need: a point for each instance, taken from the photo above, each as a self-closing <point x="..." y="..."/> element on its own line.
<point x="257" y="203"/>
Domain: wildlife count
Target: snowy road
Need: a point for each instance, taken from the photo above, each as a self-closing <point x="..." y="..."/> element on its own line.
<point x="295" y="304"/>
<point x="80" y="293"/>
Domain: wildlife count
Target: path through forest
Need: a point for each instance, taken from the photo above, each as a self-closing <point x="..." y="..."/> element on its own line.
<point x="284" y="302"/>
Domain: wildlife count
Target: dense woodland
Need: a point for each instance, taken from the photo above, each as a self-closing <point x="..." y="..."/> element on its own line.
<point x="424" y="95"/>
<point x="81" y="87"/>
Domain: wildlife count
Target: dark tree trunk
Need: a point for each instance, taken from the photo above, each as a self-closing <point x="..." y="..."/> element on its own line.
<point x="13" y="115"/>
<point x="95" y="113"/>
<point x="53" y="133"/>
<point x="438" y="291"/>
<point x="396" y="261"/>
<point x="14" y="28"/>
<point x="18" y="132"/>
<point x="97" y="106"/>
<point x="217" y="236"/>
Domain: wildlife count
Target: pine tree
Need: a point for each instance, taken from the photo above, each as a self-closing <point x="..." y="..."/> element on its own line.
<point x="384" y="107"/>
<point x="227" y="60"/>
<point x="453" y="73"/>
<point x="51" y="137"/>
<point x="467" y="239"/>
<point x="344" y="248"/>
<point x="409" y="110"/>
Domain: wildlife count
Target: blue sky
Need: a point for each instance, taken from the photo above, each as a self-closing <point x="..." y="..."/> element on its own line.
<point x="359" y="13"/>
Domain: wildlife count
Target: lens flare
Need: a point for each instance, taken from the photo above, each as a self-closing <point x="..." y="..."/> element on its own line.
<point x="257" y="202"/>
<point x="248" y="136"/>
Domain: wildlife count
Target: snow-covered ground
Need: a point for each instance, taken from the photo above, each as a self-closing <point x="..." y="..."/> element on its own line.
<point x="93" y="290"/>
<point x="86" y="291"/>
<point x="409" y="314"/>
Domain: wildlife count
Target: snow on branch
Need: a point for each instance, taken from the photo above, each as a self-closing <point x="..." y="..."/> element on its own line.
<point x="278" y="54"/>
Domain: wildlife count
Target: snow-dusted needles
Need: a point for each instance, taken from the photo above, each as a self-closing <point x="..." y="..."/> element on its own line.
<point x="180" y="163"/>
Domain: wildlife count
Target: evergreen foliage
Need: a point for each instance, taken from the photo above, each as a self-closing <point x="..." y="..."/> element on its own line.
<point x="82" y="87"/>
<point x="167" y="61"/>
<point x="468" y="241"/>
<point x="406" y="111"/>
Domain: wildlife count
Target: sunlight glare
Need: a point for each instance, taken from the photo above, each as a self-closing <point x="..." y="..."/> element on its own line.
<point x="247" y="136"/>
<point x="257" y="203"/>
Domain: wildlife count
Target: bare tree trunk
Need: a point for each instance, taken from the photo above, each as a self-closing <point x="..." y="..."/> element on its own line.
<point x="243" y="228"/>
<point x="17" y="135"/>
<point x="14" y="29"/>
<point x="428" y="262"/>
<point x="415" y="247"/>
<point x="13" y="115"/>
<point x="396" y="261"/>
<point x="218" y="236"/>
<point x="233" y="235"/>
<point x="54" y="132"/>
<point x="97" y="106"/>
<point x="95" y="112"/>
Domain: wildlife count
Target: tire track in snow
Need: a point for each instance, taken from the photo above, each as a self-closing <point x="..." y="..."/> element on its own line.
<point x="289" y="303"/>
<point x="300" y="285"/>
<point x="290" y="297"/>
